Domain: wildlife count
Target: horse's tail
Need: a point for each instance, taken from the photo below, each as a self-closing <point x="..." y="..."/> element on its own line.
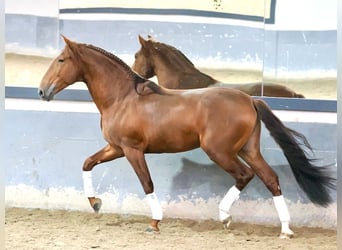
<point x="314" y="180"/>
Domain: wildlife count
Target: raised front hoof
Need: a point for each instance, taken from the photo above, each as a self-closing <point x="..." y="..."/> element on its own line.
<point x="152" y="230"/>
<point x="226" y="222"/>
<point x="285" y="236"/>
<point x="97" y="205"/>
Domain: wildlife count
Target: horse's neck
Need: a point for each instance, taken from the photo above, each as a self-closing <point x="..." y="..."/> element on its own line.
<point x="170" y="74"/>
<point x="166" y="76"/>
<point x="181" y="74"/>
<point x="107" y="81"/>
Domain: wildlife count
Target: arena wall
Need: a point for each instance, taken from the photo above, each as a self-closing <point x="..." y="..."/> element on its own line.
<point x="46" y="144"/>
<point x="288" y="42"/>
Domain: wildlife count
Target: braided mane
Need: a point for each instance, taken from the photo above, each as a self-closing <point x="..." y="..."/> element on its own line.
<point x="134" y="75"/>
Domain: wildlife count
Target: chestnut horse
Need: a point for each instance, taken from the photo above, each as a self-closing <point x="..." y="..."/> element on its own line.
<point x="175" y="71"/>
<point x="224" y="122"/>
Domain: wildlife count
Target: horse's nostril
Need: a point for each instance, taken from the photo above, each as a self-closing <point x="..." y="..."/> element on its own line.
<point x="40" y="92"/>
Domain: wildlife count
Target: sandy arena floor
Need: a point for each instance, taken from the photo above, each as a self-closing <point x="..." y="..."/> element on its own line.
<point x="43" y="229"/>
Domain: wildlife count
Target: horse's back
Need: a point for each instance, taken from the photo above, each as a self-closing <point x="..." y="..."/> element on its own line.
<point x="216" y="102"/>
<point x="210" y="105"/>
<point x="265" y="89"/>
<point x="150" y="87"/>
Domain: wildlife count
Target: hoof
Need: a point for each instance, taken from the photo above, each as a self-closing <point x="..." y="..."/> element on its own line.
<point x="286" y="233"/>
<point x="97" y="205"/>
<point x="226" y="222"/>
<point x="152" y="230"/>
<point x="286" y="236"/>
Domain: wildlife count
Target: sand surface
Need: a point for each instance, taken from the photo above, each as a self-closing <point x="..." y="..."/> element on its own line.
<point x="54" y="229"/>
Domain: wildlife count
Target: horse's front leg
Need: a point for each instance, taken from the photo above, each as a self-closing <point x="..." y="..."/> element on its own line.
<point x="108" y="153"/>
<point x="137" y="159"/>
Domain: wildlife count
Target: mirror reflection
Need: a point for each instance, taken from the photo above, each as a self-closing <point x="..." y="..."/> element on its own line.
<point x="300" y="48"/>
<point x="265" y="47"/>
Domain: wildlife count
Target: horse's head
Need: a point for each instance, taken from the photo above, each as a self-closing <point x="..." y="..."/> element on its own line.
<point x="63" y="71"/>
<point x="143" y="63"/>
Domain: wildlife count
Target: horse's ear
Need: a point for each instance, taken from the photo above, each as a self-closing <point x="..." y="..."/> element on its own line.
<point x="69" y="43"/>
<point x="142" y="41"/>
<point x="66" y="40"/>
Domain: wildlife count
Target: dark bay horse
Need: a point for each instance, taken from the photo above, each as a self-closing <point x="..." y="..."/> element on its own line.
<point x="175" y="71"/>
<point x="224" y="122"/>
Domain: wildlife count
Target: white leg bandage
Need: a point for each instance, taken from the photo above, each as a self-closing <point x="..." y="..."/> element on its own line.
<point x="227" y="201"/>
<point x="283" y="213"/>
<point x="281" y="208"/>
<point x="88" y="184"/>
<point x="157" y="212"/>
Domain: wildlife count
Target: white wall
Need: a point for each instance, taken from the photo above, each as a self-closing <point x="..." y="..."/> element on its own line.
<point x="49" y="8"/>
<point x="306" y="15"/>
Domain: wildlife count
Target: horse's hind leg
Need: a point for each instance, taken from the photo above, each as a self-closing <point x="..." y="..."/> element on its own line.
<point x="108" y="153"/>
<point x="252" y="156"/>
<point x="270" y="179"/>
<point x="242" y="175"/>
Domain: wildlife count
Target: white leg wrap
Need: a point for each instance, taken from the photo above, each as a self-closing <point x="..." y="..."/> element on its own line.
<point x="88" y="184"/>
<point x="281" y="208"/>
<point x="157" y="212"/>
<point x="283" y="213"/>
<point x="227" y="201"/>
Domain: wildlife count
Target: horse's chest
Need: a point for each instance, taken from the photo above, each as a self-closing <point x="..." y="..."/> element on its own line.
<point x="116" y="130"/>
<point x="108" y="127"/>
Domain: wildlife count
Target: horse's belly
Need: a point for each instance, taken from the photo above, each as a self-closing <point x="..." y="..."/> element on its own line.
<point x="173" y="142"/>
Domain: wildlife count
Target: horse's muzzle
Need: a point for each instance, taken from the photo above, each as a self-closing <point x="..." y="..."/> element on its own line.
<point x="41" y="92"/>
<point x="43" y="95"/>
<point x="46" y="95"/>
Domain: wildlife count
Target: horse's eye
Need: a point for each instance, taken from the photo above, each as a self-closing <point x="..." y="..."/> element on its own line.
<point x="61" y="60"/>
